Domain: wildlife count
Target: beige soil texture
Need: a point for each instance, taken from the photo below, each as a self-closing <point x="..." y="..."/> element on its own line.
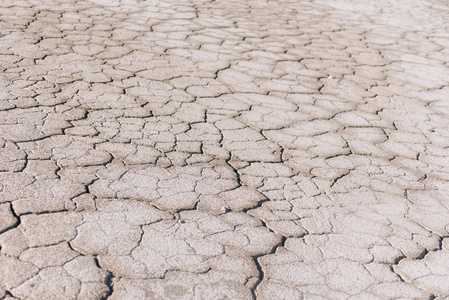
<point x="224" y="149"/>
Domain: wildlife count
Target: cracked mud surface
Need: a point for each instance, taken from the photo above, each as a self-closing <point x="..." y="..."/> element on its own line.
<point x="202" y="149"/>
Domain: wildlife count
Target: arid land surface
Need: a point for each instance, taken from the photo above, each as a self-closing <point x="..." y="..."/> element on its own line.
<point x="227" y="149"/>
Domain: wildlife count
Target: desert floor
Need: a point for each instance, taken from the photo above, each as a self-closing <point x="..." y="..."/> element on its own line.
<point x="227" y="149"/>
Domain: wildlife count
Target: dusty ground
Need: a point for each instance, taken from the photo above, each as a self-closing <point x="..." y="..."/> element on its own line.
<point x="228" y="149"/>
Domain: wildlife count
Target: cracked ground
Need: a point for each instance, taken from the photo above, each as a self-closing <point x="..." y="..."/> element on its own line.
<point x="227" y="149"/>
